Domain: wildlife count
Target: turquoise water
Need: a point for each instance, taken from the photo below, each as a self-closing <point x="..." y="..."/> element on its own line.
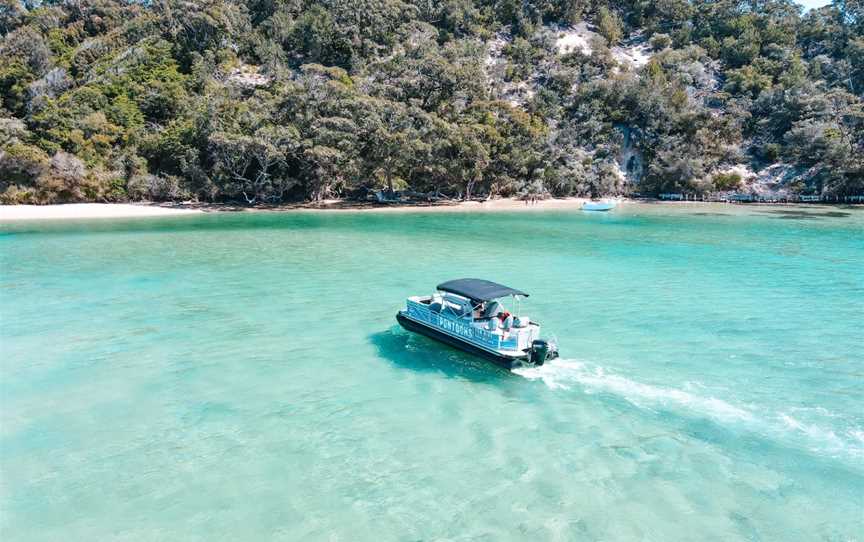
<point x="241" y="377"/>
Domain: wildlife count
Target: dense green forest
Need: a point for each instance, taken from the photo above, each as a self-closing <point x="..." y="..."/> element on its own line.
<point x="263" y="101"/>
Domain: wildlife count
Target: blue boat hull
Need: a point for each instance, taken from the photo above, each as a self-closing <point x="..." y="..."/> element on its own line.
<point x="412" y="325"/>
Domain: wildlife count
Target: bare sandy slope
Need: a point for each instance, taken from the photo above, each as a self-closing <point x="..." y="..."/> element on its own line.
<point x="87" y="210"/>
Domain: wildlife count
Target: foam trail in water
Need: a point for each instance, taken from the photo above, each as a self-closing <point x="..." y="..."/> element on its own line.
<point x="564" y="373"/>
<point x="826" y="440"/>
<point x="561" y="373"/>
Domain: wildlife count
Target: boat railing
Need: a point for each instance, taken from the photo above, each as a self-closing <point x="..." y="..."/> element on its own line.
<point x="463" y="327"/>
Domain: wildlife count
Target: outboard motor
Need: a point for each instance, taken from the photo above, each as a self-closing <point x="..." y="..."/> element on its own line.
<point x="539" y="352"/>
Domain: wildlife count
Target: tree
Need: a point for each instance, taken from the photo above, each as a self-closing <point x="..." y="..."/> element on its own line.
<point x="352" y="94"/>
<point x="674" y="171"/>
<point x="469" y="157"/>
<point x="253" y="166"/>
<point x="390" y="140"/>
<point x="11" y="15"/>
<point x="660" y="41"/>
<point x="831" y="141"/>
<point x="21" y="164"/>
<point x="609" y="25"/>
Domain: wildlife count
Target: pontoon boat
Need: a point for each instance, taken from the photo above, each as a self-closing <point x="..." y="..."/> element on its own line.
<point x="468" y="314"/>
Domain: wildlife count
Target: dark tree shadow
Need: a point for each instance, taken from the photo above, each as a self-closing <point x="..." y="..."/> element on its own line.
<point x="418" y="353"/>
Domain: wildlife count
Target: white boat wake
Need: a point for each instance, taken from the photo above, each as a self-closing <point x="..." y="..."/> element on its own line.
<point x="564" y="374"/>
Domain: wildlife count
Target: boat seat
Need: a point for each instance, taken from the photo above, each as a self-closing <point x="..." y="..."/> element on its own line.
<point x="492" y="309"/>
<point x="456" y="306"/>
<point x="521" y="321"/>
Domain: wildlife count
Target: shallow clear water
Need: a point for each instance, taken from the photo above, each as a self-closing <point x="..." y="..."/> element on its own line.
<point x="241" y="376"/>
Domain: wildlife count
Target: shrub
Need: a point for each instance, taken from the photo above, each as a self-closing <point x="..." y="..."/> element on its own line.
<point x="12" y="130"/>
<point x="15" y="79"/>
<point x="27" y="45"/>
<point x="22" y="164"/>
<point x="747" y="81"/>
<point x="18" y="195"/>
<point x="138" y="187"/>
<point x="155" y="188"/>
<point x="772" y="152"/>
<point x="726" y="181"/>
<point x="609" y="25"/>
<point x="64" y="180"/>
<point x="660" y="41"/>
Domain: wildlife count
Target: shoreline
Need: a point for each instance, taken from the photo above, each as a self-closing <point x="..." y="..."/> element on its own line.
<point x="88" y="211"/>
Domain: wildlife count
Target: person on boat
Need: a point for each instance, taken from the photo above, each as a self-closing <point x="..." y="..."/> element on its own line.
<point x="491" y="310"/>
<point x="506" y="320"/>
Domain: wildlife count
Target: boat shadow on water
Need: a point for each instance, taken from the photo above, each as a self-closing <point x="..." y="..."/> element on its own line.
<point x="419" y="353"/>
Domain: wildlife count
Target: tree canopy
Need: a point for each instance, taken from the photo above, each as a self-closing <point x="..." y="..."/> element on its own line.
<point x="265" y="101"/>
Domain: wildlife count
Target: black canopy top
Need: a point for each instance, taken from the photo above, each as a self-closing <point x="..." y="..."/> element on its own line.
<point x="478" y="289"/>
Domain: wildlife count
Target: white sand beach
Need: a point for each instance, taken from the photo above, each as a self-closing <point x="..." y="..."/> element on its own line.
<point x="497" y="204"/>
<point x="88" y="211"/>
<point x="132" y="210"/>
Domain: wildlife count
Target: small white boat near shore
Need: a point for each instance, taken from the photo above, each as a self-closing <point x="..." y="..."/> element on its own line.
<point x="598" y="205"/>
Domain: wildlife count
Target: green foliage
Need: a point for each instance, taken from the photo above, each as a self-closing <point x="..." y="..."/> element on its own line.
<point x="609" y="25"/>
<point x="747" y="81"/>
<point x="522" y="58"/>
<point x="726" y="181"/>
<point x="267" y="101"/>
<point x="15" y="79"/>
<point x="315" y="40"/>
<point x="771" y="152"/>
<point x="832" y="142"/>
<point x="22" y="164"/>
<point x="660" y="41"/>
